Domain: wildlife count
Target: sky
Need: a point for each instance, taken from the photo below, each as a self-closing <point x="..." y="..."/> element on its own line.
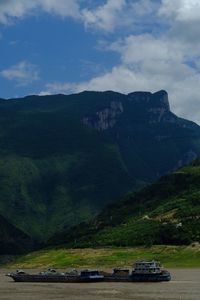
<point x="67" y="46"/>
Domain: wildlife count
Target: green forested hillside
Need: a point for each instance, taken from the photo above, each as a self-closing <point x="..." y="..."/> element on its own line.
<point x="167" y="212"/>
<point x="64" y="158"/>
<point x="54" y="171"/>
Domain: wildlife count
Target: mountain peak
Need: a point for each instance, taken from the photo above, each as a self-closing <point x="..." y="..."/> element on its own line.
<point x="160" y="98"/>
<point x="155" y="100"/>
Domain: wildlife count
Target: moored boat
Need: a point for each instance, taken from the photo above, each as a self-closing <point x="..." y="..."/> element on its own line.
<point x="149" y="271"/>
<point x="143" y="271"/>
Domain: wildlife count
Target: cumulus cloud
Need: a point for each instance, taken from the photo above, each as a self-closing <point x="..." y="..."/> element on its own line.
<point x="12" y="9"/>
<point x="105" y="17"/>
<point x="184" y="19"/>
<point x="63" y="8"/>
<point x="144" y="7"/>
<point x="181" y="10"/>
<point x="145" y="47"/>
<point x="115" y="14"/>
<point x="22" y="73"/>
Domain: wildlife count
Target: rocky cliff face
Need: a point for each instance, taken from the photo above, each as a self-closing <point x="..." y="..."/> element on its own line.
<point x="147" y="99"/>
<point x="155" y="107"/>
<point x="141" y="117"/>
<point x="105" y="118"/>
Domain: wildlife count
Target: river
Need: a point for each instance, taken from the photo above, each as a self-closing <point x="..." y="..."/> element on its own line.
<point x="185" y="285"/>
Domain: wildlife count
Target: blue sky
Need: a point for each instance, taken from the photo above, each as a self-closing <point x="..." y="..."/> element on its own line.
<point x="67" y="46"/>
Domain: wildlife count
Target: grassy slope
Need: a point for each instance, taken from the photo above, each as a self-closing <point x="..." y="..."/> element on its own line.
<point x="170" y="256"/>
<point x="167" y="212"/>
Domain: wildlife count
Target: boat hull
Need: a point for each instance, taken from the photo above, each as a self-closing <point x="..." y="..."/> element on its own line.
<point x="79" y="279"/>
<point x="54" y="278"/>
<point x="151" y="277"/>
<point x="148" y="278"/>
<point x="139" y="278"/>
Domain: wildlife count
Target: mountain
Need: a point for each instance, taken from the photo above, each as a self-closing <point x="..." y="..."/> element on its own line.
<point x="13" y="240"/>
<point x="64" y="158"/>
<point x="166" y="212"/>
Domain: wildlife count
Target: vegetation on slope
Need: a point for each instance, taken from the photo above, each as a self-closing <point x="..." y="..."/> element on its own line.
<point x="13" y="240"/>
<point x="56" y="172"/>
<point x="167" y="212"/>
<point x="104" y="258"/>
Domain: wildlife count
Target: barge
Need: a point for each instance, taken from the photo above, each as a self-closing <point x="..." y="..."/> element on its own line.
<point x="143" y="271"/>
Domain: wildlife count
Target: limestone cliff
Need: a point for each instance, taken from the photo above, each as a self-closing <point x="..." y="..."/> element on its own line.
<point x="105" y="118"/>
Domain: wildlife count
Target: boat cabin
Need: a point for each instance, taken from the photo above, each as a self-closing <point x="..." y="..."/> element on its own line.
<point x="146" y="267"/>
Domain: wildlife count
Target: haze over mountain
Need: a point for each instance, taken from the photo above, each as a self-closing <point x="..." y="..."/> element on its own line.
<point x="64" y="158"/>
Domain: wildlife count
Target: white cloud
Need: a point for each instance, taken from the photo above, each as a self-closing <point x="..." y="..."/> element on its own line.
<point x="12" y="9"/>
<point x="114" y="14"/>
<point x="144" y="7"/>
<point x="184" y="19"/>
<point x="145" y="47"/>
<point x="105" y="17"/>
<point x="181" y="10"/>
<point x="23" y="73"/>
<point x="63" y="8"/>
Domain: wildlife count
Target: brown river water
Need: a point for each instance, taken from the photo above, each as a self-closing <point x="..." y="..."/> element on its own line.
<point x="185" y="285"/>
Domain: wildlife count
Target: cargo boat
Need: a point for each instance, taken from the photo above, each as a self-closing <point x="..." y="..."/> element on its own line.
<point x="53" y="276"/>
<point x="143" y="271"/>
